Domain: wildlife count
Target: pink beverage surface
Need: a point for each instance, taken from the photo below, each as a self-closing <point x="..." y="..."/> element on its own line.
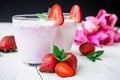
<point x="65" y="35"/>
<point x="34" y="43"/>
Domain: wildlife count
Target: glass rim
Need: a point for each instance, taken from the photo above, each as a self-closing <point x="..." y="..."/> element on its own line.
<point x="65" y="14"/>
<point x="30" y="17"/>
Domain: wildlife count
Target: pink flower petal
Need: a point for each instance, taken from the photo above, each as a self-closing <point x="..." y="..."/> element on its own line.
<point x="91" y="25"/>
<point x="109" y="40"/>
<point x="93" y="20"/>
<point x="102" y="38"/>
<point x="117" y="35"/>
<point x="100" y="13"/>
<point x="105" y="27"/>
<point x="80" y="37"/>
<point x="112" y="19"/>
<point x="98" y="37"/>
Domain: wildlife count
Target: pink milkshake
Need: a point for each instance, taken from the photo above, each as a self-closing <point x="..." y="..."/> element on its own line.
<point x="34" y="37"/>
<point x="65" y="34"/>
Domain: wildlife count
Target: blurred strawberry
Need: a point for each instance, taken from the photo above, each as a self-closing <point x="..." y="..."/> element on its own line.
<point x="7" y="43"/>
<point x="86" y="48"/>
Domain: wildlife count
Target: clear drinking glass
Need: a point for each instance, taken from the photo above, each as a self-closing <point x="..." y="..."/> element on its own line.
<point x="34" y="37"/>
<point x="65" y="33"/>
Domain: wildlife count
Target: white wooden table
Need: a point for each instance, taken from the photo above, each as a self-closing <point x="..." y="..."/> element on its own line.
<point x="12" y="67"/>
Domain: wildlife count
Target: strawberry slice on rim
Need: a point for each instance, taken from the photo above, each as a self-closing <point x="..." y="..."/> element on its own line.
<point x="56" y="14"/>
<point x="75" y="13"/>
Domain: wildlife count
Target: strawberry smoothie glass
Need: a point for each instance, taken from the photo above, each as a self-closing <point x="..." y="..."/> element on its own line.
<point x="65" y="33"/>
<point x="34" y="37"/>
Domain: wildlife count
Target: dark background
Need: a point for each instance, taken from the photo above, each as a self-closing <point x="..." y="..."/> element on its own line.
<point x="8" y="8"/>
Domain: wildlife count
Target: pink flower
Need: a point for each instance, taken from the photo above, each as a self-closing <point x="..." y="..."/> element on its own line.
<point x="91" y="25"/>
<point x="100" y="13"/>
<point x="99" y="30"/>
<point x="106" y="18"/>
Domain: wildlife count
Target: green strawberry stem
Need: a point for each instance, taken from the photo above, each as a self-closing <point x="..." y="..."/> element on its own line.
<point x="59" y="54"/>
<point x="49" y="10"/>
<point x="79" y="24"/>
<point x="41" y="16"/>
<point x="95" y="55"/>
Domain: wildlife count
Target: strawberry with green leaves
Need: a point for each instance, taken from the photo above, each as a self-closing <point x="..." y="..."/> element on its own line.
<point x="54" y="13"/>
<point x="67" y="65"/>
<point x="7" y="44"/>
<point x="88" y="49"/>
<point x="67" y="57"/>
<point x="50" y="61"/>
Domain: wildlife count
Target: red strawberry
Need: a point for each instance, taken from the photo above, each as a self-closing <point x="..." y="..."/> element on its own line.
<point x="52" y="62"/>
<point x="7" y="44"/>
<point x="86" y="48"/>
<point x="62" y="69"/>
<point x="72" y="61"/>
<point x="56" y="14"/>
<point x="48" y="63"/>
<point x="75" y="13"/>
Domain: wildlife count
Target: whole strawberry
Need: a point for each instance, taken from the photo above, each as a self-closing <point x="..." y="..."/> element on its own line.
<point x="7" y="43"/>
<point x="72" y="60"/>
<point x="86" y="48"/>
<point x="48" y="63"/>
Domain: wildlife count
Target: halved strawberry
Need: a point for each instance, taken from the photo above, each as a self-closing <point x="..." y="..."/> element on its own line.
<point x="75" y="13"/>
<point x="7" y="43"/>
<point x="56" y="14"/>
<point x="63" y="69"/>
